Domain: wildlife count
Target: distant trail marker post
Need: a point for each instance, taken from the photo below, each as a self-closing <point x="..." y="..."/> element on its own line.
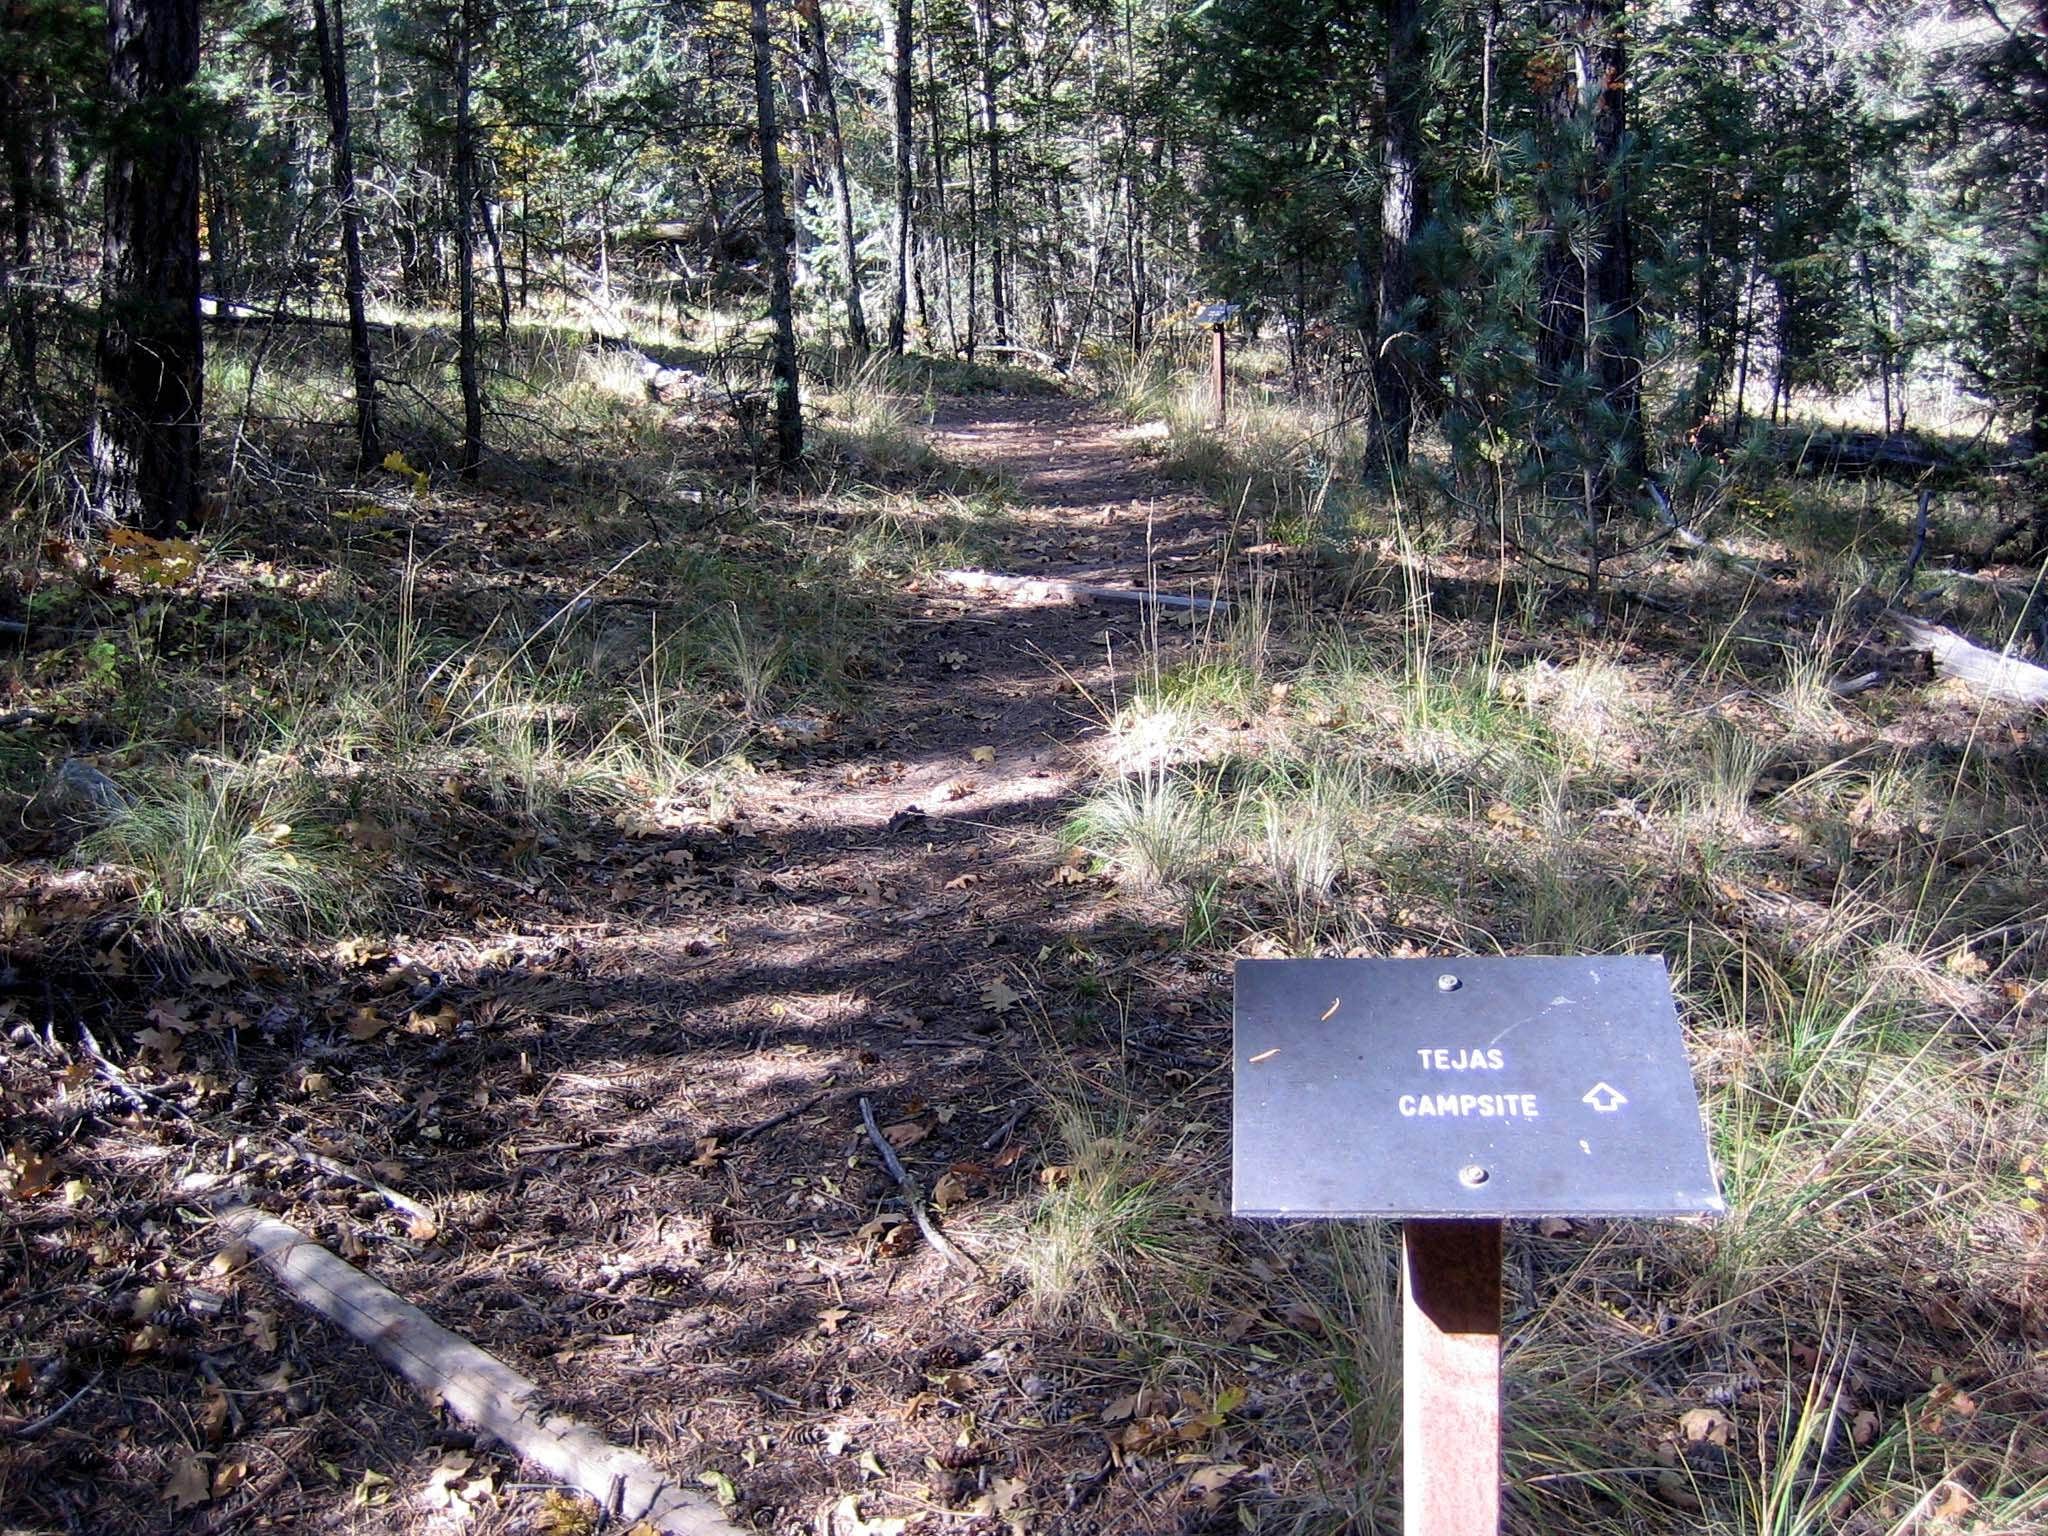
<point x="1217" y="318"/>
<point x="1452" y="1095"/>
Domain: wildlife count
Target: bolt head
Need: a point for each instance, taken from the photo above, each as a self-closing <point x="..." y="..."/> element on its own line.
<point x="1448" y="983"/>
<point x="1472" y="1175"/>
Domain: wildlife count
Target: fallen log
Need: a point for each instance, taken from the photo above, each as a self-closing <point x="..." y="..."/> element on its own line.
<point x="476" y="1387"/>
<point x="1996" y="673"/>
<point x="1046" y="588"/>
<point x="226" y="312"/>
<point x="663" y="381"/>
<point x="1990" y="672"/>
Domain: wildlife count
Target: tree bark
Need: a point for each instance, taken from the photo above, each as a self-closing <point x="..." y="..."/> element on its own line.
<point x="19" y="253"/>
<point x="1588" y="346"/>
<point x="992" y="171"/>
<point x="849" y="247"/>
<point x="330" y="36"/>
<point x="465" y="246"/>
<point x="935" y="154"/>
<point x="1400" y="215"/>
<point x="899" y="276"/>
<point x="145" y="433"/>
<point x="789" y="422"/>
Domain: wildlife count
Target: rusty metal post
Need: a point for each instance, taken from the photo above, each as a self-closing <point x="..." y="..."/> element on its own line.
<point x="1222" y="378"/>
<point x="1450" y="1377"/>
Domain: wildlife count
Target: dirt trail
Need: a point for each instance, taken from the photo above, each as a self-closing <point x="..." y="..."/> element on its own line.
<point x="851" y="931"/>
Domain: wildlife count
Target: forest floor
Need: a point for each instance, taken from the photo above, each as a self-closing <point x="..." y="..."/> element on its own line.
<point x="638" y="1121"/>
<point x="578" y="854"/>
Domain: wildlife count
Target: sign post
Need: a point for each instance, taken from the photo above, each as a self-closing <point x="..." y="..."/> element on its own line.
<point x="1217" y="318"/>
<point x="1454" y="1095"/>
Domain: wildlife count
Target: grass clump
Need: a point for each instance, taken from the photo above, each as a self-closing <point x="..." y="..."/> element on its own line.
<point x="218" y="857"/>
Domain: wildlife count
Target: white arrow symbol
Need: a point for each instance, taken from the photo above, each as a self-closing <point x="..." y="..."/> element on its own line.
<point x="1604" y="1098"/>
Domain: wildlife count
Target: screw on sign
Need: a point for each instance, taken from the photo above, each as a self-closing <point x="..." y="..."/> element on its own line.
<point x="1453" y="1099"/>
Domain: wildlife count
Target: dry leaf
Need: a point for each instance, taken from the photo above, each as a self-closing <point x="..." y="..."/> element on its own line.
<point x="228" y="1477"/>
<point x="1955" y="1502"/>
<point x="830" y="1319"/>
<point x="167" y="1046"/>
<point x="950" y="1190"/>
<point x="28" y="1172"/>
<point x="904" y="1133"/>
<point x="189" y="1484"/>
<point x="367" y="1023"/>
<point x="565" y="1514"/>
<point x="1211" y="1483"/>
<point x="259" y="1327"/>
<point x="983" y="754"/>
<point x="998" y="996"/>
<point x="214" y="1415"/>
<point x="1705" y="1424"/>
<point x="451" y="1469"/>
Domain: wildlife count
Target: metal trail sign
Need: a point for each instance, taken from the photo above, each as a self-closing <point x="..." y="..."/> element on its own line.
<point x="1453" y="1094"/>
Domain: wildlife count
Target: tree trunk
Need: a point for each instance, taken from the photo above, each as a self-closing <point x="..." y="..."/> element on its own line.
<point x="935" y="154"/>
<point x="973" y="235"/>
<point x="330" y="36"/>
<point x="849" y="247"/>
<point x="992" y="176"/>
<point x="465" y="247"/>
<point x="19" y="252"/>
<point x="789" y="422"/>
<point x="145" y="432"/>
<point x="1400" y="213"/>
<point x="1588" y="347"/>
<point x="899" y="274"/>
<point x="490" y="220"/>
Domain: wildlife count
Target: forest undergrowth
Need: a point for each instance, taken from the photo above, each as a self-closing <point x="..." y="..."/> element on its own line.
<point x="443" y="833"/>
<point x="1400" y="742"/>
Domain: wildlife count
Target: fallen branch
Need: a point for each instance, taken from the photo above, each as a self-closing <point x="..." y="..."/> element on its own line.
<point x="228" y="312"/>
<point x="1003" y="1131"/>
<point x="1849" y="687"/>
<point x="744" y="1134"/>
<point x="1918" y="551"/>
<point x="913" y="1196"/>
<point x="139" y="1099"/>
<point x="476" y="1387"/>
<point x="1044" y="587"/>
<point x="1686" y="538"/>
<point x="398" y="1202"/>
<point x="29" y="1429"/>
<point x="1988" y="671"/>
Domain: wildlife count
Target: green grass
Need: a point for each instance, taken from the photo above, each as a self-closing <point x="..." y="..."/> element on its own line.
<point x="222" y="856"/>
<point x="1848" y="892"/>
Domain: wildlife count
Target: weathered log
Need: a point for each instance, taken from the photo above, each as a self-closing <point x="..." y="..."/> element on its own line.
<point x="664" y="382"/>
<point x="1053" y="587"/>
<point x="474" y="1386"/>
<point x="227" y="312"/>
<point x="1995" y="673"/>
